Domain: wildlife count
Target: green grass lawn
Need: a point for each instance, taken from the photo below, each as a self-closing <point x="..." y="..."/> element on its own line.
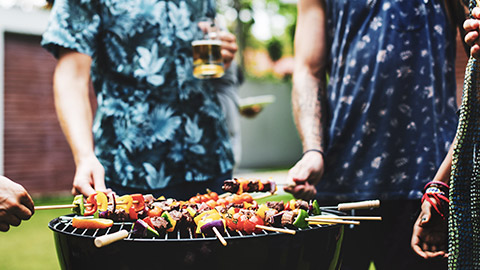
<point x="31" y="245"/>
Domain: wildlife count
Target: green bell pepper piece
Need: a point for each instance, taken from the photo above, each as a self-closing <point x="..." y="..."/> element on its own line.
<point x="300" y="221"/>
<point x="79" y="208"/>
<point x="316" y="208"/>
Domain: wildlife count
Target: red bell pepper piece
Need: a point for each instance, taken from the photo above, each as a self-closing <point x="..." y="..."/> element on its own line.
<point x="256" y="220"/>
<point x="148" y="221"/>
<point x="132" y="214"/>
<point x="91" y="205"/>
<point x="156" y="211"/>
<point x="138" y="202"/>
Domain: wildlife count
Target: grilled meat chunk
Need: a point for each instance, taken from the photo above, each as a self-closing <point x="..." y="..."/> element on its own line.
<point x="287" y="218"/>
<point x="160" y="224"/>
<point x="230" y="186"/>
<point x="269" y="214"/>
<point x="301" y="204"/>
<point x="279" y="206"/>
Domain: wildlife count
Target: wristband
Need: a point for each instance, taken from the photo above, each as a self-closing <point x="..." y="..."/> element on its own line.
<point x="436" y="193"/>
<point x="437" y="184"/>
<point x="314" y="150"/>
<point x="439" y="203"/>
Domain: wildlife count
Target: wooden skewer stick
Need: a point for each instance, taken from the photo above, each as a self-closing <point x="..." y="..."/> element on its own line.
<point x="344" y="217"/>
<point x="107" y="239"/>
<point x="219" y="236"/>
<point x="267" y="228"/>
<point x="318" y="221"/>
<point x="61" y="206"/>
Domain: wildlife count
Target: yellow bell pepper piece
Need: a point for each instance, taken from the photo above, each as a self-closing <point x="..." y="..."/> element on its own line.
<point x="172" y="222"/>
<point x="125" y="202"/>
<point x="102" y="201"/>
<point x="261" y="211"/>
<point x="203" y="214"/>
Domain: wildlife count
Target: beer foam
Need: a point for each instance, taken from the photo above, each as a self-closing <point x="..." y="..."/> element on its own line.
<point x="206" y="42"/>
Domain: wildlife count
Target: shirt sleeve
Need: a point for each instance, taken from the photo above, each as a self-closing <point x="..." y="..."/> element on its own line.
<point x="73" y="24"/>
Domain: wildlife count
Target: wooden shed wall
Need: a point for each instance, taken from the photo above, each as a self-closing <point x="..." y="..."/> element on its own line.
<point x="36" y="153"/>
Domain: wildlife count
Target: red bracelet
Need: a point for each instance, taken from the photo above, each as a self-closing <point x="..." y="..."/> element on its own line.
<point x="439" y="202"/>
<point x="434" y="182"/>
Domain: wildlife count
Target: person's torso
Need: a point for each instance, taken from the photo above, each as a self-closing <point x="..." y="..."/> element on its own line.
<point x="155" y="125"/>
<point x="391" y="96"/>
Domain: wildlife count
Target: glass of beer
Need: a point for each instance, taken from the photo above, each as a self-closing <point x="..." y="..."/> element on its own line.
<point x="207" y="59"/>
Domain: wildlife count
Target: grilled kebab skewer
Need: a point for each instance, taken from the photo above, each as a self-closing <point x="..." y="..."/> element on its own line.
<point x="241" y="185"/>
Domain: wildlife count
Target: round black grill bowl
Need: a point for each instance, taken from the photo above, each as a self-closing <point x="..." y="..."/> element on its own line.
<point x="317" y="247"/>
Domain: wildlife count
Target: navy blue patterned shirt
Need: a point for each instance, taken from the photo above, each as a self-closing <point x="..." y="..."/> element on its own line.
<point x="155" y="125"/>
<point x="391" y="112"/>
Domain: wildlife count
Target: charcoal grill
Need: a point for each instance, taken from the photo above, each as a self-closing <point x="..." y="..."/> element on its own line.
<point x="316" y="247"/>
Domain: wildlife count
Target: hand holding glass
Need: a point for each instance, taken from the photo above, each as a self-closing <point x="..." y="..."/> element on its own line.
<point x="207" y="57"/>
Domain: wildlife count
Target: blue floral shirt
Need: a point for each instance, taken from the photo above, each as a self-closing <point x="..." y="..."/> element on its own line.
<point x="391" y="97"/>
<point x="155" y="124"/>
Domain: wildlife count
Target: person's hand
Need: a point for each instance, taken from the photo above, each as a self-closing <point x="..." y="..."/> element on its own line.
<point x="430" y="232"/>
<point x="89" y="177"/>
<point x="306" y="173"/>
<point x="472" y="28"/>
<point x="229" y="47"/>
<point x="15" y="204"/>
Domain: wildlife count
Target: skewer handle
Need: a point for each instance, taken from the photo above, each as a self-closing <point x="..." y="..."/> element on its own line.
<point x="345" y="217"/>
<point x="219" y="236"/>
<point x="60" y="206"/>
<point x="267" y="228"/>
<point x="107" y="239"/>
<point x="359" y="205"/>
<point x="331" y="221"/>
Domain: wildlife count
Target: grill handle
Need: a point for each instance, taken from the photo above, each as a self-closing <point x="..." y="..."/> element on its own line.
<point x="107" y="239"/>
<point x="358" y="205"/>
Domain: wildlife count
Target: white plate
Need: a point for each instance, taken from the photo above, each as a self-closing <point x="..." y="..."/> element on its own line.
<point x="256" y="101"/>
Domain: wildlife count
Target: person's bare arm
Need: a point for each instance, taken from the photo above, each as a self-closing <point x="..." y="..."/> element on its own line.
<point x="72" y="103"/>
<point x="429" y="237"/>
<point x="308" y="93"/>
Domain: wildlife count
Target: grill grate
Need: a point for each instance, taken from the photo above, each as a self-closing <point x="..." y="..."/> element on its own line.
<point x="64" y="225"/>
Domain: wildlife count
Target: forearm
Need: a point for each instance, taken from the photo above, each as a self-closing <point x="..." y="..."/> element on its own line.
<point x="307" y="109"/>
<point x="309" y="79"/>
<point x="443" y="173"/>
<point x="71" y="88"/>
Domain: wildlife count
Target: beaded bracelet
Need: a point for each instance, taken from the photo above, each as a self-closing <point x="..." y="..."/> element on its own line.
<point x="437" y="184"/>
<point x="314" y="150"/>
